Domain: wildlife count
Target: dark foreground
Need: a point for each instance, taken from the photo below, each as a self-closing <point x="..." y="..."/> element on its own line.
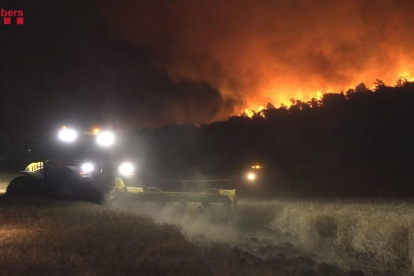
<point x="41" y="237"/>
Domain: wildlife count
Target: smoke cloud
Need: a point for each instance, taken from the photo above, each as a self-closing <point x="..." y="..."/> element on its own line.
<point x="259" y="51"/>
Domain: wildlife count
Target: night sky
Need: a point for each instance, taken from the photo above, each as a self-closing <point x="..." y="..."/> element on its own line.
<point x="63" y="67"/>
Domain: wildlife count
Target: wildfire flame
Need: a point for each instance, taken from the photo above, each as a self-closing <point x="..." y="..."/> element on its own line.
<point x="250" y="112"/>
<point x="253" y="110"/>
<point x="405" y="77"/>
<point x="285" y="49"/>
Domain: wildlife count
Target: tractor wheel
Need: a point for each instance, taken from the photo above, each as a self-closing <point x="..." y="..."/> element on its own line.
<point x="23" y="186"/>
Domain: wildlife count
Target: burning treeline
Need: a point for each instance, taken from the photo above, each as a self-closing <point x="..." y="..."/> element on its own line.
<point x="256" y="52"/>
<point x="353" y="144"/>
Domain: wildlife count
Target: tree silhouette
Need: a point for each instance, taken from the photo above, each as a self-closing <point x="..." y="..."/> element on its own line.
<point x="357" y="143"/>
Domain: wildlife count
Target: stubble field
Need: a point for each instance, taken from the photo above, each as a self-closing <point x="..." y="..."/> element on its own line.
<point x="279" y="237"/>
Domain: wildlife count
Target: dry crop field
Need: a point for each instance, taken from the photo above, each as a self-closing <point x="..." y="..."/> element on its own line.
<point x="374" y="235"/>
<point x="4" y="181"/>
<point x="280" y="237"/>
<point x="44" y="237"/>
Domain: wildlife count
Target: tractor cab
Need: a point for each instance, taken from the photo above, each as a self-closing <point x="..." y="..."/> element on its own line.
<point x="254" y="180"/>
<point x="73" y="165"/>
<point x="87" y="166"/>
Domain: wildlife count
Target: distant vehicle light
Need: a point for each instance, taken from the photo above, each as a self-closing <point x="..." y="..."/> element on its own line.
<point x="87" y="167"/>
<point x="96" y="131"/>
<point x="126" y="169"/>
<point x="67" y="135"/>
<point x="105" y="139"/>
<point x="251" y="176"/>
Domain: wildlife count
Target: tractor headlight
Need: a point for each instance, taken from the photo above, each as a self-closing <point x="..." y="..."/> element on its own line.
<point x="251" y="176"/>
<point x="126" y="169"/>
<point x="87" y="167"/>
<point x="105" y="138"/>
<point x="67" y="135"/>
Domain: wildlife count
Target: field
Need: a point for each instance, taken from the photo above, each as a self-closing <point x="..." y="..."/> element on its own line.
<point x="376" y="236"/>
<point x="4" y="181"/>
<point x="280" y="237"/>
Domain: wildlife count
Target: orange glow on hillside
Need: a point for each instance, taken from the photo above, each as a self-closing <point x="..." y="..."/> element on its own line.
<point x="252" y="111"/>
<point x="282" y="52"/>
<point x="278" y="99"/>
<point x="407" y="76"/>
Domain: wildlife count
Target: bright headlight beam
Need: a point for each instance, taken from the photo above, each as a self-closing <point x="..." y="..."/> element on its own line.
<point x="126" y="168"/>
<point x="251" y="176"/>
<point x="67" y="135"/>
<point x="87" y="167"/>
<point x="105" y="139"/>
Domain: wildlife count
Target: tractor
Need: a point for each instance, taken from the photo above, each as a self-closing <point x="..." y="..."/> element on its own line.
<point x="74" y="166"/>
<point x="84" y="165"/>
<point x="257" y="181"/>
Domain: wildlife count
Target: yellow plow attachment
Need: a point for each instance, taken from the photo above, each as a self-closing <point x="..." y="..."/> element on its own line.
<point x="152" y="194"/>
